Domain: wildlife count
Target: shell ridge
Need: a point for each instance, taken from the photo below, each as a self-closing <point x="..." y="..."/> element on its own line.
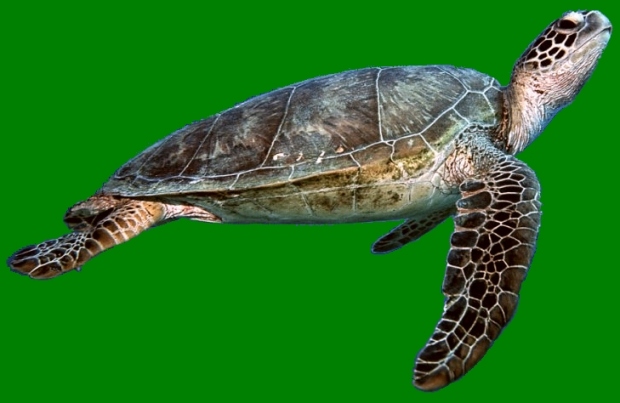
<point x="204" y="138"/>
<point x="379" y="123"/>
<point x="277" y="135"/>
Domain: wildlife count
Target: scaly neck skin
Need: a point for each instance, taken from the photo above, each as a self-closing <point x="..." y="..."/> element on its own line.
<point x="549" y="74"/>
<point x="526" y="116"/>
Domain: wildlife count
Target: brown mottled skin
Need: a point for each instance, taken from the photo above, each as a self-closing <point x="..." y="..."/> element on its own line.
<point x="414" y="143"/>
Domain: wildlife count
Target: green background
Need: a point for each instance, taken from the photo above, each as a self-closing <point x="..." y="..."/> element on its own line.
<point x="196" y="312"/>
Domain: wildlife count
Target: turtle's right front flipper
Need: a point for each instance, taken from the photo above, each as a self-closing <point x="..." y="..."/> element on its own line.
<point x="492" y="247"/>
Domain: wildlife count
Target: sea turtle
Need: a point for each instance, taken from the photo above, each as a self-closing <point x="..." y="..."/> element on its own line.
<point x="414" y="143"/>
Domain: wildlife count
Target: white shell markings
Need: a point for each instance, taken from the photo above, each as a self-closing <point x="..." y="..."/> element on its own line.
<point x="278" y="156"/>
<point x="320" y="159"/>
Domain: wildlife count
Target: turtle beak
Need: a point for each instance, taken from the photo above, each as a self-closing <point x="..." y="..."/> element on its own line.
<point x="599" y="22"/>
<point x="593" y="36"/>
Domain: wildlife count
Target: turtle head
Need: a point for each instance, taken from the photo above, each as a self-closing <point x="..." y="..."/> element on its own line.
<point x="552" y="70"/>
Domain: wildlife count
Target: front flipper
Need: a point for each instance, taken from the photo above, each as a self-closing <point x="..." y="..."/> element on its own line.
<point x="491" y="250"/>
<point x="409" y="231"/>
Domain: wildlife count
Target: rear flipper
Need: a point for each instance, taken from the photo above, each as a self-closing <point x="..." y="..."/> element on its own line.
<point x="94" y="233"/>
<point x="410" y="230"/>
<point x="491" y="250"/>
<point x="99" y="223"/>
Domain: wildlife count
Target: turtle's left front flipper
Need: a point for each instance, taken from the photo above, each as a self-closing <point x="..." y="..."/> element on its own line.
<point x="491" y="250"/>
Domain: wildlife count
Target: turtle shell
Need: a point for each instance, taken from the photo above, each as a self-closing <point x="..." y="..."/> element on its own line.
<point x="374" y="117"/>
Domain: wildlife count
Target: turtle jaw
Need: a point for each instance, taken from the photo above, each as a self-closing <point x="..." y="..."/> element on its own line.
<point x="592" y="39"/>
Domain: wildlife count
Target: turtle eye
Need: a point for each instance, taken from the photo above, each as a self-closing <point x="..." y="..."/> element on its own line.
<point x="565" y="23"/>
<point x="570" y="22"/>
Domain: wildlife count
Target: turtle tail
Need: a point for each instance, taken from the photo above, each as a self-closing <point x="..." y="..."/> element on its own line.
<point x="121" y="222"/>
